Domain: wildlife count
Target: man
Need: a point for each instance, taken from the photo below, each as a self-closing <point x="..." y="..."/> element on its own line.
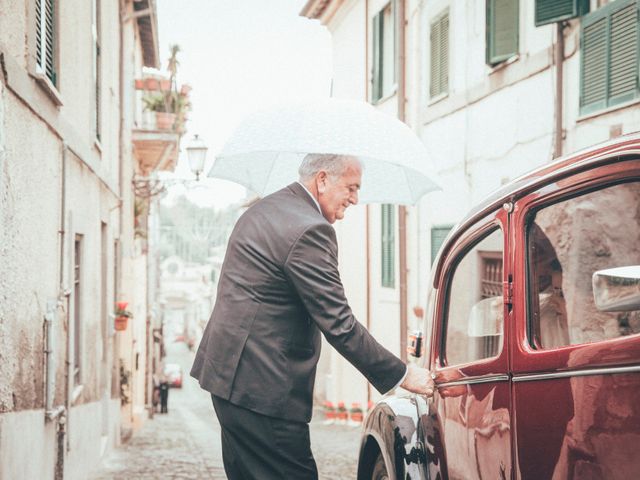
<point x="279" y="288"/>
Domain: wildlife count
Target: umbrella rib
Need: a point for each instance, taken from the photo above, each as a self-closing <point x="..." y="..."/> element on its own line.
<point x="406" y="179"/>
<point x="273" y="162"/>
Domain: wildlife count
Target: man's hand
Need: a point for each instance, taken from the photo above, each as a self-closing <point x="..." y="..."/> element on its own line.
<point x="418" y="380"/>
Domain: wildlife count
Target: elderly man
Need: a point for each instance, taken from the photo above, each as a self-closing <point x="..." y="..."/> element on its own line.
<point x="279" y="288"/>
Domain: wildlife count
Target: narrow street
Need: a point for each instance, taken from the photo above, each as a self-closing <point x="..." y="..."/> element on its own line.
<point x="185" y="443"/>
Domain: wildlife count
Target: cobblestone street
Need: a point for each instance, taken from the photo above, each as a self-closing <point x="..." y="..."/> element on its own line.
<point x="185" y="443"/>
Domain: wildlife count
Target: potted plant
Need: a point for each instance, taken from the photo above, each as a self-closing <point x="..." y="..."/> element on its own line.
<point x="122" y="316"/>
<point x="169" y="103"/>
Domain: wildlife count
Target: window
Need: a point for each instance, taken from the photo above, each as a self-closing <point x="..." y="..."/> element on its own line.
<point x="45" y="39"/>
<point x="388" y="246"/>
<point x="566" y="244"/>
<point x="77" y="309"/>
<point x="384" y="57"/>
<point x="475" y="308"/>
<point x="609" y="60"/>
<point x="438" y="235"/>
<point x="439" y="72"/>
<point x="97" y="70"/>
<point x="552" y="11"/>
<point x="502" y="30"/>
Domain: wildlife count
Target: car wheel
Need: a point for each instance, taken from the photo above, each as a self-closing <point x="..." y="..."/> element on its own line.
<point x="379" y="469"/>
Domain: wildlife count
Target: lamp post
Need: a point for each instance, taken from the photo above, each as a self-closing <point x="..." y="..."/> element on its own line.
<point x="151" y="186"/>
<point x="197" y="154"/>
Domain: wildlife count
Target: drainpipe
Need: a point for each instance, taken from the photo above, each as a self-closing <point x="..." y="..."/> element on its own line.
<point x="559" y="58"/>
<point x="402" y="210"/>
<point x="59" y="413"/>
<point x="121" y="182"/>
<point x="368" y="209"/>
<point x="51" y="317"/>
<point x="148" y="367"/>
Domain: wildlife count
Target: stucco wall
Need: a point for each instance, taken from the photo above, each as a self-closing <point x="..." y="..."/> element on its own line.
<point x="29" y="244"/>
<point x="13" y="25"/>
<point x="37" y="140"/>
<point x="86" y="442"/>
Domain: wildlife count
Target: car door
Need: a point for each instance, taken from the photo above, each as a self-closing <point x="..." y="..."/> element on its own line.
<point x="466" y="427"/>
<point x="576" y="362"/>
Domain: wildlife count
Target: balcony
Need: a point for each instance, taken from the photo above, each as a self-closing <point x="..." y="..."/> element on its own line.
<point x="155" y="149"/>
<point x="156" y="138"/>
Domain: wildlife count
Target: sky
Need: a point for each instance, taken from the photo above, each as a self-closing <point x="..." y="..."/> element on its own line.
<point x="239" y="56"/>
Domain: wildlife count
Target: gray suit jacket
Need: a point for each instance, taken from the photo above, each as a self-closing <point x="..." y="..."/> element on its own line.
<point x="278" y="288"/>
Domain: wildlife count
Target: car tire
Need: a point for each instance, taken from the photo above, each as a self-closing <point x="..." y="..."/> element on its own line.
<point x="379" y="469"/>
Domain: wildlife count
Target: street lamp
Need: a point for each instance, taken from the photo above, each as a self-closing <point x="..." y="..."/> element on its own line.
<point x="197" y="154"/>
<point x="150" y="186"/>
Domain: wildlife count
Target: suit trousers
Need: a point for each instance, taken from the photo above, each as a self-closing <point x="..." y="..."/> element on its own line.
<point x="259" y="447"/>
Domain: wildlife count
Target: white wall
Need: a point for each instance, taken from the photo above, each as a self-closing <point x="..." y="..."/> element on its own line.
<point x="36" y="137"/>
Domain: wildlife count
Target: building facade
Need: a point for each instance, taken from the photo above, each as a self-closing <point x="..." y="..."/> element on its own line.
<point x="494" y="89"/>
<point x="70" y="142"/>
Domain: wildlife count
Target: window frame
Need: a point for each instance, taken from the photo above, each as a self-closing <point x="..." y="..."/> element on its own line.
<point x="526" y="359"/>
<point x="532" y="339"/>
<point x="465" y="244"/>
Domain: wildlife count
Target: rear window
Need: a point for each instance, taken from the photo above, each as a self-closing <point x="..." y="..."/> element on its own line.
<point x="594" y="237"/>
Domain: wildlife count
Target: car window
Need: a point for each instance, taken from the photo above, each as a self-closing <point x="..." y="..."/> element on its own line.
<point x="474" y="303"/>
<point x="572" y="244"/>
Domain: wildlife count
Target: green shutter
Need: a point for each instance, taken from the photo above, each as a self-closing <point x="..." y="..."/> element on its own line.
<point x="624" y="55"/>
<point x="376" y="72"/>
<point x="444" y="54"/>
<point x="45" y="38"/>
<point x="502" y="30"/>
<point x="609" y="56"/>
<point x="438" y="236"/>
<point x="439" y="69"/>
<point x="593" y="94"/>
<point x="551" y="11"/>
<point x="388" y="246"/>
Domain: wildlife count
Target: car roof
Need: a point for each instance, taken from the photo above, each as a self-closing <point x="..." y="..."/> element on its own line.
<point x="602" y="153"/>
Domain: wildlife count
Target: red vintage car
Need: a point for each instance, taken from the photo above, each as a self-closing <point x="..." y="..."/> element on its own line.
<point x="532" y="330"/>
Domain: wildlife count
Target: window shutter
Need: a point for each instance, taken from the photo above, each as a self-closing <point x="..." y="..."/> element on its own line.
<point x="624" y="55"/>
<point x="434" y="87"/>
<point x="376" y="74"/>
<point x="502" y="30"/>
<point x="439" y="69"/>
<point x="45" y="38"/>
<point x="98" y="64"/>
<point x="388" y="246"/>
<point x="551" y="11"/>
<point x="593" y="94"/>
<point x="609" y="56"/>
<point x="444" y="54"/>
<point x="438" y="236"/>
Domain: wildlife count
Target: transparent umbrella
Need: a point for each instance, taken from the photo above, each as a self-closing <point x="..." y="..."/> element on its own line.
<point x="265" y="150"/>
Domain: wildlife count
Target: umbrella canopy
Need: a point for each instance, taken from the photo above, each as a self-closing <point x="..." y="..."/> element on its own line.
<point x="265" y="150"/>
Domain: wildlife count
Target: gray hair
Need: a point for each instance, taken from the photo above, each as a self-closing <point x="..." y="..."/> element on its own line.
<point x="333" y="164"/>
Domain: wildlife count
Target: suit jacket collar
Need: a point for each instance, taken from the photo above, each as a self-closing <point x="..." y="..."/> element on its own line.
<point x="299" y="191"/>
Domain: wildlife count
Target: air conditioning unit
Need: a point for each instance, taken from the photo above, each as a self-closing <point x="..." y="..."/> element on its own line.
<point x="552" y="11"/>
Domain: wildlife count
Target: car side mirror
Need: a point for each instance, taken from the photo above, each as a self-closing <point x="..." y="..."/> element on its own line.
<point x="414" y="345"/>
<point x="617" y="289"/>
